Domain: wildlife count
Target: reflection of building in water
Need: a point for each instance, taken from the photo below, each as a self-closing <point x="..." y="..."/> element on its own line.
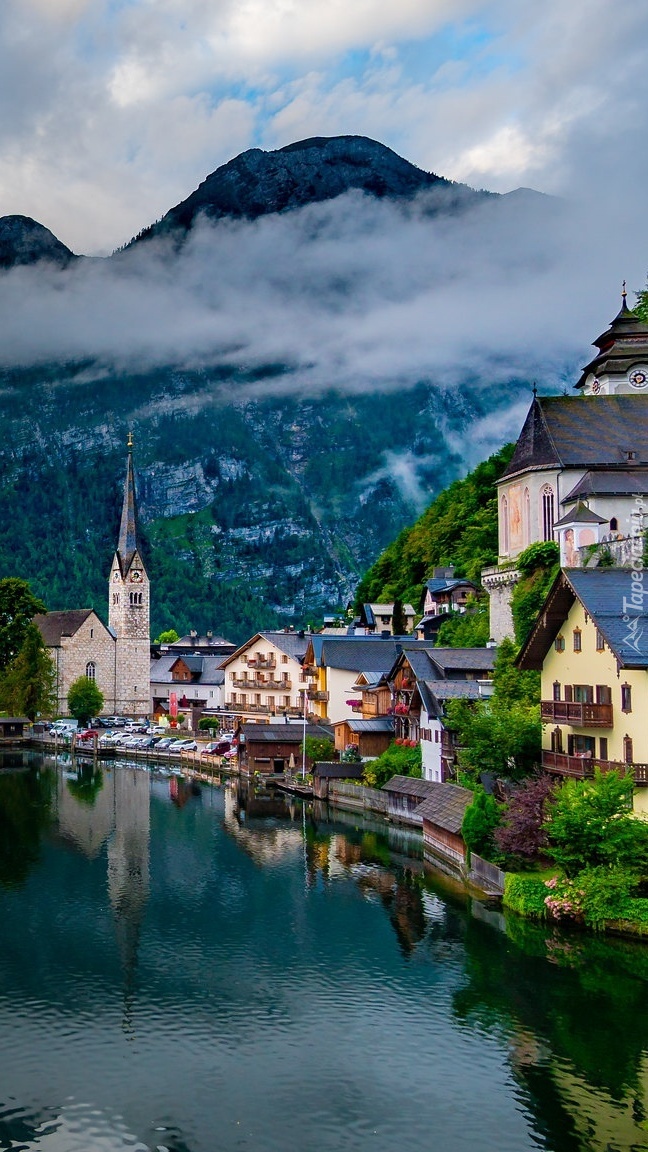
<point x="118" y="817"/>
<point x="246" y="809"/>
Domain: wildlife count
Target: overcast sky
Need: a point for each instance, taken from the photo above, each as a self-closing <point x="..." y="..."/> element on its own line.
<point x="113" y="110"/>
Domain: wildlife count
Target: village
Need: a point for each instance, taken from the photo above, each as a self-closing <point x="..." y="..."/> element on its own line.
<point x="371" y="711"/>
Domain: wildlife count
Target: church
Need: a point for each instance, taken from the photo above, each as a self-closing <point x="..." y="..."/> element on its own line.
<point x="116" y="657"/>
<point x="579" y="472"/>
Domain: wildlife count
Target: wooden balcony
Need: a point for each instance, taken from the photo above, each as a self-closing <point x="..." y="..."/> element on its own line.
<point x="260" y="684"/>
<point x="261" y="661"/>
<point x="583" y="767"/>
<point x="579" y="715"/>
<point x="316" y="694"/>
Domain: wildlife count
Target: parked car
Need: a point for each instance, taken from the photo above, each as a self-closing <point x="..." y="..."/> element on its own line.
<point x="164" y="743"/>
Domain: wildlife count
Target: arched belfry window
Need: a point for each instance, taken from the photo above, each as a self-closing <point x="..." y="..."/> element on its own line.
<point x="135" y="599"/>
<point x="91" y="671"/>
<point x="505" y="526"/>
<point x="548" y="514"/>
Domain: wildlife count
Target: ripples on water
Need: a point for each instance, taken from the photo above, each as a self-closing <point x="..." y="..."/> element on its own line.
<point x="190" y="969"/>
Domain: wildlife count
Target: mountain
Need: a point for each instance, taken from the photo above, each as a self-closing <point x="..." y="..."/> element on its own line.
<point x="25" y="241"/>
<point x="257" y="183"/>
<point x="267" y="483"/>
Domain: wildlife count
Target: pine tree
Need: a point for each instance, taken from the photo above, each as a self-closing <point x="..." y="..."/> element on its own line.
<point x="28" y="685"/>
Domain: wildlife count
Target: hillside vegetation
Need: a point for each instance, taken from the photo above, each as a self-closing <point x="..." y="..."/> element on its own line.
<point x="459" y="527"/>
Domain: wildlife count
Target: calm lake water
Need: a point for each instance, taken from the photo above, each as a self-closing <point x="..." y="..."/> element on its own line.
<point x="196" y="969"/>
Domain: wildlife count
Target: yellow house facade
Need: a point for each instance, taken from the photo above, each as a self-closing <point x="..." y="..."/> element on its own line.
<point x="592" y="651"/>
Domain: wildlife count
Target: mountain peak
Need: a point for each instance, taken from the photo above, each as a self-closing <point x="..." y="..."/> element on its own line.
<point x="25" y="241"/>
<point x="257" y="183"/>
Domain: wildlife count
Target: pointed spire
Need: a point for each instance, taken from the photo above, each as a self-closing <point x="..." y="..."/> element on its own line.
<point x="128" y="542"/>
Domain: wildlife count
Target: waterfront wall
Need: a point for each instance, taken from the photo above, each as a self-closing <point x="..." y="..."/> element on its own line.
<point x="357" y="797"/>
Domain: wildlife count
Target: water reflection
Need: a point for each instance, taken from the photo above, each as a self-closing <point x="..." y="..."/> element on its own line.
<point x="230" y="968"/>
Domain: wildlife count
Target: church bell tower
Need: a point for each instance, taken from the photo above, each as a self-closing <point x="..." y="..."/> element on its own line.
<point x="129" y="609"/>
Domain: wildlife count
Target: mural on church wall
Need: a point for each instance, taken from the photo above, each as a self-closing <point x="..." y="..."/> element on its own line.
<point x="516" y="528"/>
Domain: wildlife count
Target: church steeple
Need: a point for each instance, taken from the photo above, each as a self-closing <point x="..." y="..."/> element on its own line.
<point x="128" y="541"/>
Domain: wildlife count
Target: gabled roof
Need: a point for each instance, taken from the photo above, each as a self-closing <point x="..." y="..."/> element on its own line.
<point x="356" y="653"/>
<point x="582" y="432"/>
<point x="209" y="672"/>
<point x="606" y="595"/>
<point x="445" y="806"/>
<point x="408" y="786"/>
<point x="53" y="626"/>
<point x="438" y="584"/>
<point x="291" y="643"/>
<point x="338" y="770"/>
<point x="611" y="483"/>
<point x="581" y="514"/>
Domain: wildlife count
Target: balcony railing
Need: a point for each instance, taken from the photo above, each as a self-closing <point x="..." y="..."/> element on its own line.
<point x="580" y="715"/>
<point x="262" y="661"/>
<point x="257" y="682"/>
<point x="583" y="766"/>
<point x="316" y="694"/>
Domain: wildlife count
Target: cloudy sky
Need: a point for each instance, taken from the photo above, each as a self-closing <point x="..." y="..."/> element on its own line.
<point x="113" y="110"/>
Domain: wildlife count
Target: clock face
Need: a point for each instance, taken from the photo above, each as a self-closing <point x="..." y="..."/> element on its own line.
<point x="115" y="576"/>
<point x="596" y="387"/>
<point x="136" y="575"/>
<point x="639" y="377"/>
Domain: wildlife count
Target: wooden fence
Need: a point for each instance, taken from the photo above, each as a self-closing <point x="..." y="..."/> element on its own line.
<point x="486" y="876"/>
<point x="357" y="797"/>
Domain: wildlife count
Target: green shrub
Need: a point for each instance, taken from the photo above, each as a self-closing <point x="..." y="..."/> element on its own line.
<point x="397" y="760"/>
<point x="525" y="895"/>
<point x="480" y="820"/>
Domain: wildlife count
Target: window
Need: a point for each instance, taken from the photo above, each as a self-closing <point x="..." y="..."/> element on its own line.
<point x="583" y="694"/>
<point x="257" y="698"/>
<point x="569" y="693"/>
<point x="600" y="642"/>
<point x="627" y="750"/>
<point x="505" y="526"/>
<point x="559" y="643"/>
<point x="286" y="701"/>
<point x="91" y="671"/>
<point x="603" y="748"/>
<point x="115" y="597"/>
<point x="614" y="524"/>
<point x="284" y="659"/>
<point x="578" y="640"/>
<point x="91" y="633"/>
<point x="547" y="497"/>
<point x="135" y="599"/>
<point x="626" y="698"/>
<point x="556" y="740"/>
<point x="556" y="690"/>
<point x="603" y="694"/>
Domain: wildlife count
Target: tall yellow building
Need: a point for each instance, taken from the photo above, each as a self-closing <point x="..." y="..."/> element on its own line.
<point x="590" y="643"/>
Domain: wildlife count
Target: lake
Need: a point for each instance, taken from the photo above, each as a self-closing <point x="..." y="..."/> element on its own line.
<point x="195" y="969"/>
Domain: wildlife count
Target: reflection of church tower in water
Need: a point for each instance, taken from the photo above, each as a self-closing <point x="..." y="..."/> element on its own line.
<point x="129" y="608"/>
<point x="128" y="866"/>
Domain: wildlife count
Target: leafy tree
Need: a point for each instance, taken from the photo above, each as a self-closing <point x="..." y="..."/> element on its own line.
<point x="469" y="629"/>
<point x="511" y="685"/>
<point x="493" y="737"/>
<point x="318" y="748"/>
<point x="397" y="760"/>
<point x="538" y="566"/>
<point x="479" y="824"/>
<point x="28" y="686"/>
<point x="590" y="823"/>
<point x="168" y="637"/>
<point x="522" y="835"/>
<point x="18" y="606"/>
<point x="85" y="699"/>
<point x="207" y="723"/>
<point x="459" y="527"/>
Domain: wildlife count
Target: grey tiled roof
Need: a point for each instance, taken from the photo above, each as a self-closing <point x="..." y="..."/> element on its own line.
<point x="605" y="483"/>
<point x="606" y="594"/>
<point x="209" y="672"/>
<point x="54" y="625"/>
<point x="283" y="733"/>
<point x="338" y="770"/>
<point x="581" y="514"/>
<point x="582" y="432"/>
<point x="445" y="806"/>
<point x="374" y="724"/>
<point x="359" y="654"/>
<point x="408" y="786"/>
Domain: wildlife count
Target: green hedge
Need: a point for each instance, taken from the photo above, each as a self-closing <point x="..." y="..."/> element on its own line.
<point x="525" y="895"/>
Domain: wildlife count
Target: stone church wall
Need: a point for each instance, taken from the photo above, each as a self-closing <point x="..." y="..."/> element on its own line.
<point x="92" y="643"/>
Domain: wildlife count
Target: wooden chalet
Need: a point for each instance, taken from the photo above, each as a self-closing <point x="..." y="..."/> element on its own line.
<point x="325" y="771"/>
<point x="371" y="737"/>
<point x="12" y="729"/>
<point x="268" y="747"/>
<point x="405" y="794"/>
